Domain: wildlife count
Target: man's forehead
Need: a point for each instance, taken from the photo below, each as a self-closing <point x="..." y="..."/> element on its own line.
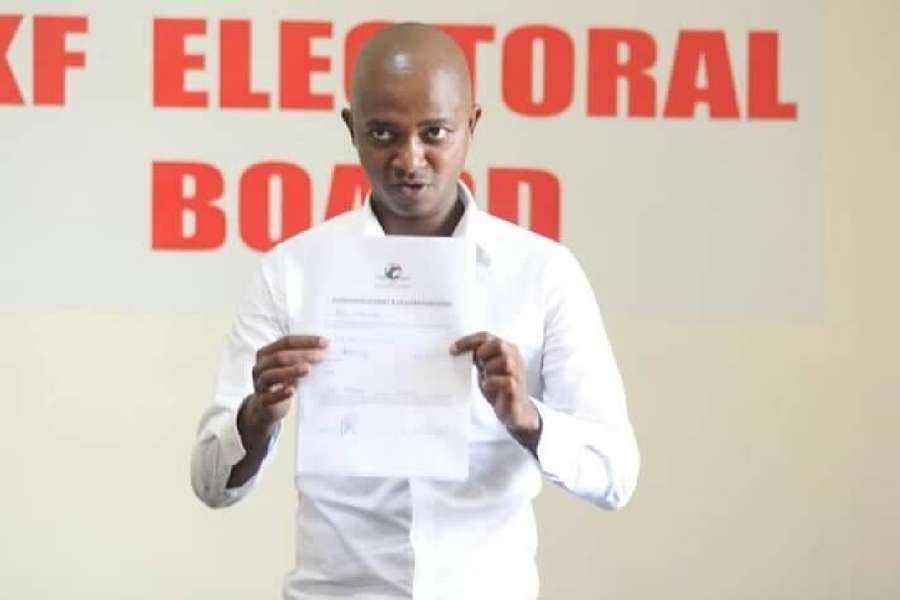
<point x="418" y="92"/>
<point x="412" y="55"/>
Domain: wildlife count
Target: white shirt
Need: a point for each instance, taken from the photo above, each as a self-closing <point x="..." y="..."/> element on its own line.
<point x="385" y="539"/>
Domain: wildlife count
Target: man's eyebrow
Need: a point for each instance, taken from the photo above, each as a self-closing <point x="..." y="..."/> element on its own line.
<point x="379" y="123"/>
<point x="435" y="121"/>
<point x="432" y="122"/>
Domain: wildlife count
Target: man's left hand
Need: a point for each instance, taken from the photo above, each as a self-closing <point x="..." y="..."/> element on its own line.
<point x="501" y="377"/>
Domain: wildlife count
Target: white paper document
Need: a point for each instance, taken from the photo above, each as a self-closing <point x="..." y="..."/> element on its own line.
<point x="388" y="400"/>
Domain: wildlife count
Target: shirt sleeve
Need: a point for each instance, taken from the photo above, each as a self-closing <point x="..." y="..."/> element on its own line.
<point x="258" y="321"/>
<point x="587" y="443"/>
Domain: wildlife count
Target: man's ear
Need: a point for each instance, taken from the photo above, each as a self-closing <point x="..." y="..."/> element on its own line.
<point x="347" y="117"/>
<point x="474" y="116"/>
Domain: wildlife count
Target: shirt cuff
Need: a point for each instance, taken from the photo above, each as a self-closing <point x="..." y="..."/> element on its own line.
<point x="221" y="451"/>
<point x="233" y="451"/>
<point x="560" y="447"/>
<point x="230" y="441"/>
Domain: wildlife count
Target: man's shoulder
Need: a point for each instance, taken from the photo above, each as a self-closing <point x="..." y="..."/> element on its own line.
<point x="343" y="224"/>
<point x="510" y="237"/>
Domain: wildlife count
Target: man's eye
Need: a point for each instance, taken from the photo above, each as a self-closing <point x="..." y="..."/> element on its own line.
<point x="437" y="134"/>
<point x="381" y="135"/>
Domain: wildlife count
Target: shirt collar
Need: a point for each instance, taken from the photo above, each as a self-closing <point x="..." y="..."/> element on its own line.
<point x="471" y="225"/>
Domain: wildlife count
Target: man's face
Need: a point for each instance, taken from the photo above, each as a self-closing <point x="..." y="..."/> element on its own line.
<point x="412" y="131"/>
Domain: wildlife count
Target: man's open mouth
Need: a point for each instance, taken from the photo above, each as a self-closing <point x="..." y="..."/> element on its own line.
<point x="413" y="187"/>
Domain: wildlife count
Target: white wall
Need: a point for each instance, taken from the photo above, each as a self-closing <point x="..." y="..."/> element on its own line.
<point x="769" y="444"/>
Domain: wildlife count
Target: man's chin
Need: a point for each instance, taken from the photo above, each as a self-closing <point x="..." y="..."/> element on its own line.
<point x="407" y="205"/>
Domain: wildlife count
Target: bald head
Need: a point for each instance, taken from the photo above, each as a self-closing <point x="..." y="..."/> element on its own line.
<point x="410" y="50"/>
<point x="411" y="118"/>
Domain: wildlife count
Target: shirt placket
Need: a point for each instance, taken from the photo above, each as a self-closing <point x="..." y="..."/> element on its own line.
<point x="423" y="538"/>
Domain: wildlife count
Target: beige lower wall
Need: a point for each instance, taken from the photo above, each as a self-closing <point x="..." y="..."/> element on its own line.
<point x="770" y="449"/>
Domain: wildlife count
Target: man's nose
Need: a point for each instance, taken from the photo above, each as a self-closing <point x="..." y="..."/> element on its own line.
<point x="410" y="157"/>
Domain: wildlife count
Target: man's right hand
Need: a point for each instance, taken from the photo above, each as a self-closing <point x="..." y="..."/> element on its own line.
<point x="278" y="370"/>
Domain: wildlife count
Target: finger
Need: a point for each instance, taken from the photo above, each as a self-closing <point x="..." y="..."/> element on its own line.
<point x="288" y="358"/>
<point x="278" y="393"/>
<point x="499" y="384"/>
<point x="283" y="376"/>
<point x="469" y="343"/>
<point x="294" y="342"/>
<point x="488" y="350"/>
<point x="498" y="390"/>
<point x="500" y="364"/>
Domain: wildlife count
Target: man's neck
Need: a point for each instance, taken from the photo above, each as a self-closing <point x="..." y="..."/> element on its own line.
<point x="441" y="224"/>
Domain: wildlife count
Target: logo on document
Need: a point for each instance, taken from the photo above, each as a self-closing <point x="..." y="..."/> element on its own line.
<point x="392" y="277"/>
<point x="394" y="272"/>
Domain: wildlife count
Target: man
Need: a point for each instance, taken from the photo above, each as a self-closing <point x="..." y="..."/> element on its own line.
<point x="552" y="405"/>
